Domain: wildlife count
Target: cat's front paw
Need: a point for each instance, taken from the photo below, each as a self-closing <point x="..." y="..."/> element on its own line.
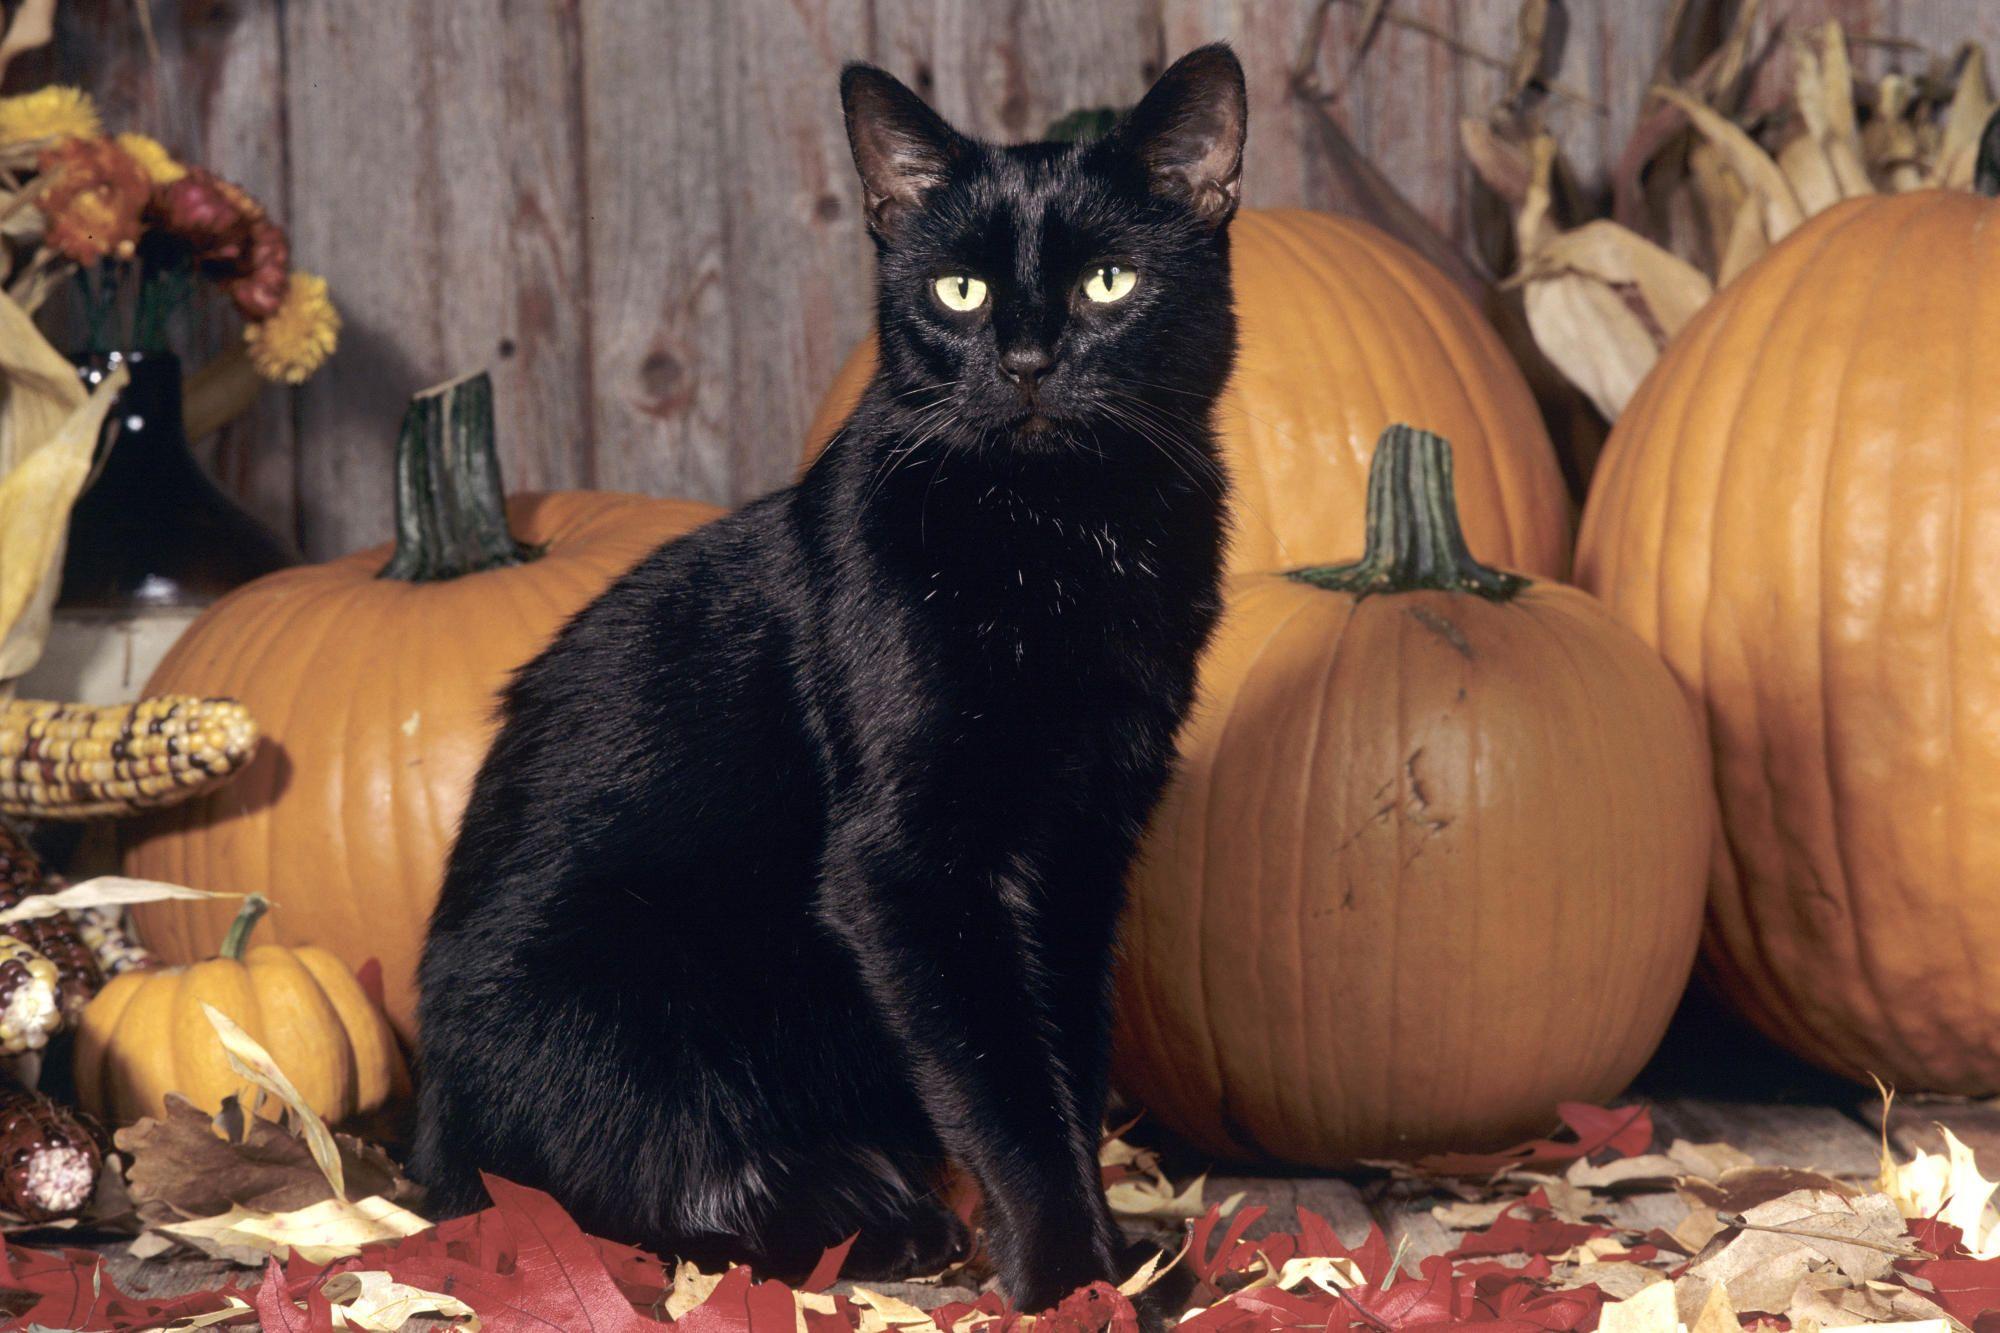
<point x="926" y="1241"/>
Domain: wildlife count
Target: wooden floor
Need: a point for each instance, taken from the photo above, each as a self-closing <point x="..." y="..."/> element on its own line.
<point x="1710" y="1083"/>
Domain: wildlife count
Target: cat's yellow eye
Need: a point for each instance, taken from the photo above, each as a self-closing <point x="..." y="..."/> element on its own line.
<point x="1109" y="282"/>
<point x="960" y="291"/>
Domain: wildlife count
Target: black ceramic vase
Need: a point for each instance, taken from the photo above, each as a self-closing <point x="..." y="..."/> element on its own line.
<point x="152" y="530"/>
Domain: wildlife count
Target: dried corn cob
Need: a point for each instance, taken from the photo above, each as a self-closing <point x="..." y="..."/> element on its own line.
<point x="83" y="761"/>
<point x="49" y="1158"/>
<point x="103" y="930"/>
<point x="53" y="937"/>
<point x="29" y="1012"/>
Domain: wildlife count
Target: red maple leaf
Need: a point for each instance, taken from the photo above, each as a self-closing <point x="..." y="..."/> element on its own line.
<point x="278" y="1313"/>
<point x="1624" y="1131"/>
<point x="1966" y="1288"/>
<point x="1528" y="1227"/>
<point x="827" y="1271"/>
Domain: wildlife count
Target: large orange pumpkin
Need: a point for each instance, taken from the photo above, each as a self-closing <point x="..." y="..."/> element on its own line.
<point x="1801" y="510"/>
<point x="1433" y="862"/>
<point x="376" y="695"/>
<point x="1343" y="330"/>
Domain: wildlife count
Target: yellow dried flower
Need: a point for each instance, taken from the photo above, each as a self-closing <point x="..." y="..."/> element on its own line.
<point x="297" y="340"/>
<point x="149" y="153"/>
<point x="54" y="112"/>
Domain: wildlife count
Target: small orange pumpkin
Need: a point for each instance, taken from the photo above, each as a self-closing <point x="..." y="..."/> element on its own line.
<point x="145" y="1034"/>
<point x="1342" y="330"/>
<point x="375" y="678"/>
<point x="1433" y="860"/>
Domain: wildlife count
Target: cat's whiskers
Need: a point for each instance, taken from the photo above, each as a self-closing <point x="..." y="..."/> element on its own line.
<point x="1165" y="434"/>
<point x="928" y="420"/>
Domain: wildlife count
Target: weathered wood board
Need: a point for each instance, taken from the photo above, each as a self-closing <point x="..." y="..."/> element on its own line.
<point x="641" y="216"/>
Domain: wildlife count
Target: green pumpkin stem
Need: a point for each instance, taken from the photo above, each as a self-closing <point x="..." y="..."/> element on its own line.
<point x="1414" y="539"/>
<point x="246" y="920"/>
<point x="1986" y="167"/>
<point x="451" y="514"/>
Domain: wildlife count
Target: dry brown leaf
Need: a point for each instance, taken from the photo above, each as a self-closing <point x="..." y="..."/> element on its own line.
<point x="1467" y="1216"/>
<point x="1745" y="1188"/>
<point x="1501" y="162"/>
<point x="1833" y="1301"/>
<point x="1708" y="1160"/>
<point x="1781" y="209"/>
<point x="376" y="1301"/>
<point x="253" y="1062"/>
<point x="1651" y="1310"/>
<point x="1824" y="95"/>
<point x="1971" y="107"/>
<point x="691" y="1287"/>
<point x="189" y="1164"/>
<point x="1895" y="156"/>
<point x="1618" y="1279"/>
<point x="1705" y="1307"/>
<point x="318" y="1233"/>
<point x="1147" y="1192"/>
<point x="1697" y="1229"/>
<point x="102" y="891"/>
<point x="1764" y="1253"/>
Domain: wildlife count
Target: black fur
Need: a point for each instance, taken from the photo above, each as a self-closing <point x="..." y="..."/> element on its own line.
<point x="796" y="866"/>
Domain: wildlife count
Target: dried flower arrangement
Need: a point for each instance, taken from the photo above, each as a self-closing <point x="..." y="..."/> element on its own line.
<point x="134" y="227"/>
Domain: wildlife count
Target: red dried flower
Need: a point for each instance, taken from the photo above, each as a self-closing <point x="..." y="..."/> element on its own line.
<point x="228" y="237"/>
<point x="259" y="288"/>
<point x="94" y="199"/>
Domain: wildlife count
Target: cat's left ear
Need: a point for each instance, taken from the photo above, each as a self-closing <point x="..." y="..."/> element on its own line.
<point x="1188" y="132"/>
<point x="902" y="148"/>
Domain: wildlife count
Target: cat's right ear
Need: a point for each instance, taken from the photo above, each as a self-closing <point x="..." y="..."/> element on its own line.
<point x="902" y="148"/>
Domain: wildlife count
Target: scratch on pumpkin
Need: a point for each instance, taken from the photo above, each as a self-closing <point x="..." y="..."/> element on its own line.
<point x="1444" y="629"/>
<point x="1413" y="803"/>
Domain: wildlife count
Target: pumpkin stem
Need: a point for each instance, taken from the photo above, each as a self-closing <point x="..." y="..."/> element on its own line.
<point x="1986" y="167"/>
<point x="1414" y="539"/>
<point x="247" y="917"/>
<point x="451" y="515"/>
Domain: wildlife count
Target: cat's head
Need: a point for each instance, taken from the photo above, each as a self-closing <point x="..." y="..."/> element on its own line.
<point x="1048" y="291"/>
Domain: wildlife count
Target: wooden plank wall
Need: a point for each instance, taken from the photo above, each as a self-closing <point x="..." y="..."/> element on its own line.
<point x="641" y="214"/>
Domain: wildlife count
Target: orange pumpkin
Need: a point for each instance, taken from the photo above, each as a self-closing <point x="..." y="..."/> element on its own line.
<point x="146" y="1033"/>
<point x="376" y="694"/>
<point x="1343" y="330"/>
<point x="1433" y="861"/>
<point x="1801" y="510"/>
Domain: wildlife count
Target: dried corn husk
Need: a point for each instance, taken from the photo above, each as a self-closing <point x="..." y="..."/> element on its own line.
<point x="1603" y="298"/>
<point x="48" y="433"/>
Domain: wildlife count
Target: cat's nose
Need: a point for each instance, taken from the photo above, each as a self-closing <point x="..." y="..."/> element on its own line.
<point x="1025" y="366"/>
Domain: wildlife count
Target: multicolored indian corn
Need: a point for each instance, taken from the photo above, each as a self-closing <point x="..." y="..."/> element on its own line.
<point x="87" y="761"/>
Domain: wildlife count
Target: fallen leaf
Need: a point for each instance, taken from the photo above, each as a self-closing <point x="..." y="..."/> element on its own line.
<point x="189" y="1164"/>
<point x="378" y="1302"/>
<point x="318" y="1233"/>
<point x="1650" y="1311"/>
<point x="253" y="1062"/>
<point x="1745" y="1188"/>
<point x="1626" y="1131"/>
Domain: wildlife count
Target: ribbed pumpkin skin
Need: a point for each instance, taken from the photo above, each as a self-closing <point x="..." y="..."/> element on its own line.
<point x="1430" y="865"/>
<point x="145" y="1035"/>
<point x="1801" y="510"/>
<point x="376" y="699"/>
<point x="1343" y="330"/>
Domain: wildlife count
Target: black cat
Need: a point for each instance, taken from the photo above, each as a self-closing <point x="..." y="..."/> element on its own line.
<point x="796" y="866"/>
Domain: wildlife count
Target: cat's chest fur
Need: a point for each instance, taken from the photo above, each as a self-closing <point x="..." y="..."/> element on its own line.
<point x="1052" y="582"/>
